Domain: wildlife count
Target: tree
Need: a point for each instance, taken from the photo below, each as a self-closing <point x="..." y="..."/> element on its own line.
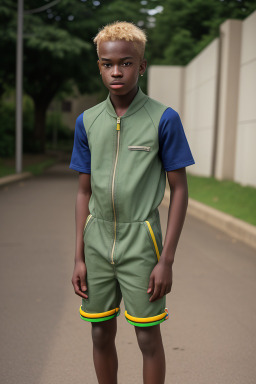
<point x="185" y="27"/>
<point x="7" y="45"/>
<point x="58" y="47"/>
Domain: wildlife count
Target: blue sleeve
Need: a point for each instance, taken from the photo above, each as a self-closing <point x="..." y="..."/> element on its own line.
<point x="174" y="150"/>
<point x="81" y="155"/>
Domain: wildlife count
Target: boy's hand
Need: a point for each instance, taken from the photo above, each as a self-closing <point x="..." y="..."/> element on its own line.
<point x="160" y="281"/>
<point x="79" y="279"/>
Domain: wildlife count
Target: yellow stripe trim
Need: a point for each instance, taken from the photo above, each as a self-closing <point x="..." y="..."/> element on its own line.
<point x="87" y="220"/>
<point x="145" y="319"/>
<point x="97" y="315"/>
<point x="154" y="239"/>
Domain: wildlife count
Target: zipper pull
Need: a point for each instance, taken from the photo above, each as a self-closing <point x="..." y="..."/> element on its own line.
<point x="118" y="125"/>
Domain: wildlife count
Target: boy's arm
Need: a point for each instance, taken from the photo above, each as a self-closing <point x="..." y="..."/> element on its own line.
<point x="160" y="281"/>
<point x="82" y="211"/>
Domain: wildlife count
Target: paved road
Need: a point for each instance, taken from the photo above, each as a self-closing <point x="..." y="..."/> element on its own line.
<point x="209" y="338"/>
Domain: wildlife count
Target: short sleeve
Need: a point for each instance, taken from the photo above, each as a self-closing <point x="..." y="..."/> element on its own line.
<point x="174" y="149"/>
<point x="81" y="155"/>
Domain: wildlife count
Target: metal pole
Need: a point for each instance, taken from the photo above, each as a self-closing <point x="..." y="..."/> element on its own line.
<point x="19" y="73"/>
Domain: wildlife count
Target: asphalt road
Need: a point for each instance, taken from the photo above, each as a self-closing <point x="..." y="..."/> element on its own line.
<point x="210" y="337"/>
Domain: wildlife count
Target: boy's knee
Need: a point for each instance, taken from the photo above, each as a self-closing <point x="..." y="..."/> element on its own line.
<point x="103" y="334"/>
<point x="147" y="340"/>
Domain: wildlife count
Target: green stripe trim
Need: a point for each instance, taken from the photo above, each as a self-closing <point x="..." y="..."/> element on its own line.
<point x="145" y="324"/>
<point x="97" y="320"/>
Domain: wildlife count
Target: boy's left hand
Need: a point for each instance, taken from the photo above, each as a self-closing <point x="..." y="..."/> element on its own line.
<point x="160" y="281"/>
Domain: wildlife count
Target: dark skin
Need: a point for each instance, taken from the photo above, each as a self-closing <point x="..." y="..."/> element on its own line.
<point x="120" y="66"/>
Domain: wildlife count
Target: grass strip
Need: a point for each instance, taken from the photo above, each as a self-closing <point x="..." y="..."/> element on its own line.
<point x="226" y="196"/>
<point x="35" y="169"/>
<point x="6" y="170"/>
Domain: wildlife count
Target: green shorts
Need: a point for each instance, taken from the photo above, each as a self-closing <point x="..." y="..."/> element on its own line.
<point x="122" y="273"/>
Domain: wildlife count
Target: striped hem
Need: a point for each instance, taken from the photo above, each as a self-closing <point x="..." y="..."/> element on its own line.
<point x="147" y="321"/>
<point x="97" y="317"/>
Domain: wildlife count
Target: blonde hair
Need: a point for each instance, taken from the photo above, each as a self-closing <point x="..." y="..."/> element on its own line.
<point x="122" y="31"/>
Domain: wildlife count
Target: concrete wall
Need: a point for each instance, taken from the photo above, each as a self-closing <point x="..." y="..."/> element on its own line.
<point x="78" y="105"/>
<point x="230" y="37"/>
<point x="245" y="164"/>
<point x="191" y="91"/>
<point x="215" y="95"/>
<point x="200" y="106"/>
<point x="77" y="102"/>
<point x="166" y="84"/>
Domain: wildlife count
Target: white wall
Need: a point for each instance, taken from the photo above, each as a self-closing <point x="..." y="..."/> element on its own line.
<point x="230" y="54"/>
<point x="200" y="107"/>
<point x="215" y="95"/>
<point x="165" y="84"/>
<point x="245" y="164"/>
<point x="191" y="91"/>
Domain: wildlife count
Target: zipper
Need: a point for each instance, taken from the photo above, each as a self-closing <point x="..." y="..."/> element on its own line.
<point x="87" y="221"/>
<point x="138" y="148"/>
<point x="154" y="239"/>
<point x="118" y="126"/>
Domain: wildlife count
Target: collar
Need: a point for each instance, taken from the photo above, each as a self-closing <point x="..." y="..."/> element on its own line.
<point x="136" y="104"/>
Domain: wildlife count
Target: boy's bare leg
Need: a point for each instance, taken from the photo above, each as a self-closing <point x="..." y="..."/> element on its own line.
<point x="104" y="351"/>
<point x="151" y="346"/>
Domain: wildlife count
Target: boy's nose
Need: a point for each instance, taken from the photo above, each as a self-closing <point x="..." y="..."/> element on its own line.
<point x="116" y="71"/>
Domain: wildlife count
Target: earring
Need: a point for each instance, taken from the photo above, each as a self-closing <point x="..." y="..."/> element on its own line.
<point x="141" y="75"/>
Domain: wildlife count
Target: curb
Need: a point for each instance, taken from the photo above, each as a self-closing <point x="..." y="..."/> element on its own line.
<point x="235" y="228"/>
<point x="15" y="177"/>
<point x="230" y="225"/>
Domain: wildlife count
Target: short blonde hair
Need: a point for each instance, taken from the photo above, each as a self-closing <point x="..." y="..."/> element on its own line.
<point x="122" y="30"/>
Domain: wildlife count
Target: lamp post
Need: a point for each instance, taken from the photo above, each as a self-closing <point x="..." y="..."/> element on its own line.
<point x="19" y="72"/>
<point x="19" y="77"/>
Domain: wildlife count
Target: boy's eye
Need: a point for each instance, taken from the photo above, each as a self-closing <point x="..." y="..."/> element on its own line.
<point x="127" y="63"/>
<point x="106" y="65"/>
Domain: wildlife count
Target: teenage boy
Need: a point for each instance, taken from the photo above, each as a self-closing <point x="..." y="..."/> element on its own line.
<point x="123" y="148"/>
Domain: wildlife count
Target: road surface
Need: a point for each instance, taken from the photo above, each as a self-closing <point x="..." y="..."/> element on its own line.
<point x="210" y="337"/>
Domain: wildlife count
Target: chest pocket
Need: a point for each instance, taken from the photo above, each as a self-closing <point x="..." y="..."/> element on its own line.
<point x="139" y="148"/>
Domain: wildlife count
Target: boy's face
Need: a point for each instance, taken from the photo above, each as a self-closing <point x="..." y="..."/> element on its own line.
<point x="120" y="66"/>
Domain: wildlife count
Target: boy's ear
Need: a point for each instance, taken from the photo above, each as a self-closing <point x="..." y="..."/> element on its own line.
<point x="143" y="66"/>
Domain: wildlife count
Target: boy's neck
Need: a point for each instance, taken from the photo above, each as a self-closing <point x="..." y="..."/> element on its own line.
<point x="121" y="103"/>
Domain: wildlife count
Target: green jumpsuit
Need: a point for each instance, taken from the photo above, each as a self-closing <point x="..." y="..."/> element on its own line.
<point x="122" y="234"/>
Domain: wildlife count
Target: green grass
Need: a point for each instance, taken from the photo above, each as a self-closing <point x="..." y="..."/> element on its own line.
<point x="6" y="170"/>
<point x="226" y="196"/>
<point x="35" y="169"/>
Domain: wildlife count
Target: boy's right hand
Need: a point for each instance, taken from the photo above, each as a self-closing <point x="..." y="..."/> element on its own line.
<point x="79" y="279"/>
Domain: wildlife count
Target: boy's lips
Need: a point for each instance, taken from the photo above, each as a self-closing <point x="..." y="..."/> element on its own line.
<point x="116" y="85"/>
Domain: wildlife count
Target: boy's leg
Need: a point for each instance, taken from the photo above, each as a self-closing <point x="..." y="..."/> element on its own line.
<point x="104" y="351"/>
<point x="151" y="346"/>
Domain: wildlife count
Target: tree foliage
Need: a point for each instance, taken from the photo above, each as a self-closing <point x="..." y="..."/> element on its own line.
<point x="185" y="27"/>
<point x="58" y="42"/>
<point x="58" y="47"/>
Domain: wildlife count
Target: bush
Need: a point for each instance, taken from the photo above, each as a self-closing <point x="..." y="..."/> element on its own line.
<point x="54" y="124"/>
<point x="7" y="128"/>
